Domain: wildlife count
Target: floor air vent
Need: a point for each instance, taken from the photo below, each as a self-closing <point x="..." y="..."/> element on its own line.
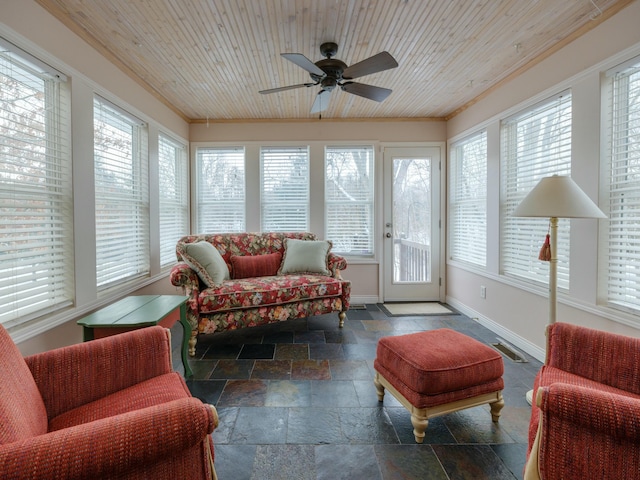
<point x="510" y="352"/>
<point x="357" y="307"/>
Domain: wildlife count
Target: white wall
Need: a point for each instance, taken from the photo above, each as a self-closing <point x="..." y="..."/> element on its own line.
<point x="519" y="312"/>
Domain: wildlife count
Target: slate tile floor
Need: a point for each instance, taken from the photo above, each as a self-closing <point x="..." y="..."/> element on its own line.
<point x="296" y="401"/>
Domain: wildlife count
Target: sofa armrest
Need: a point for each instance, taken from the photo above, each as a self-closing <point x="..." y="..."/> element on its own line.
<point x="72" y="376"/>
<point x="600" y="356"/>
<point x="110" y="447"/>
<point x="583" y="430"/>
<point x="336" y="263"/>
<point x="182" y="275"/>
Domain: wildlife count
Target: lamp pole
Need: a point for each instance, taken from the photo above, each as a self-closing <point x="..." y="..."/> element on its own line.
<point x="553" y="270"/>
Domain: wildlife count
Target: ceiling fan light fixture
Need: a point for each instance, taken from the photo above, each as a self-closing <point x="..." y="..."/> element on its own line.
<point x="329" y="83"/>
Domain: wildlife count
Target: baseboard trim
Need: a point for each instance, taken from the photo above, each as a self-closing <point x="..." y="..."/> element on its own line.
<point x="364" y="299"/>
<point x="516" y="340"/>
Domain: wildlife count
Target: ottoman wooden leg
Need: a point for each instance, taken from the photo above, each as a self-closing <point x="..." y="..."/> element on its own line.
<point x="495" y="408"/>
<point x="419" y="426"/>
<point x="379" y="388"/>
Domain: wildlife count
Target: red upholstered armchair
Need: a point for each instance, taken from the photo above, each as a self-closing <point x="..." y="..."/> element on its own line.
<point x="109" y="408"/>
<point x="585" y="421"/>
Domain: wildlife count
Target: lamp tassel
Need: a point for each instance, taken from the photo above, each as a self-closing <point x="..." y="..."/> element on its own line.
<point x="545" y="251"/>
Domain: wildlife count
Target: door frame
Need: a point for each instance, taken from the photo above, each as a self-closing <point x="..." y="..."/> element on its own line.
<point x="380" y="228"/>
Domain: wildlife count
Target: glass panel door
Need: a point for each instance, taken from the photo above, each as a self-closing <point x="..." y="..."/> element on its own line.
<point x="412" y="233"/>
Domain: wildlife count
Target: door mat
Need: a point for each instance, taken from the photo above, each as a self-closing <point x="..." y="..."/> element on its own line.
<point x="421" y="308"/>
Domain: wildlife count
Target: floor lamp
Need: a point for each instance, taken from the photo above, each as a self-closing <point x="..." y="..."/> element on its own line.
<point x="556" y="197"/>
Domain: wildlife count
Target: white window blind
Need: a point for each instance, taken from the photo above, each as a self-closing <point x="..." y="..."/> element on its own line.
<point x="349" y="199"/>
<point x="220" y="187"/>
<point x="468" y="200"/>
<point x="174" y="196"/>
<point x="122" y="195"/>
<point x="284" y="202"/>
<point x="623" y="240"/>
<point x="535" y="143"/>
<point x="36" y="204"/>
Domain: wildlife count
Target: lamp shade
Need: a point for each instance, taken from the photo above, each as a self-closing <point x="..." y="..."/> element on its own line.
<point x="557" y="196"/>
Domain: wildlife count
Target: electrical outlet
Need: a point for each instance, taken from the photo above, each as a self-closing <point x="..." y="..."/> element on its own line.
<point x="483" y="291"/>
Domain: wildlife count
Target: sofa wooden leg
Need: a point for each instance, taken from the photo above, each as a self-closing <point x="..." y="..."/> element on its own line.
<point x="192" y="343"/>
<point x="342" y="316"/>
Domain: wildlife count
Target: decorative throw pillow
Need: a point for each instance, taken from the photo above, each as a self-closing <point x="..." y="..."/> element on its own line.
<point x="206" y="260"/>
<point x="246" y="266"/>
<point x="305" y="256"/>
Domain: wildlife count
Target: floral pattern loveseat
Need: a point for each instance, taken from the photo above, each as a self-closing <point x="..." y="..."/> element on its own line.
<point x="234" y="302"/>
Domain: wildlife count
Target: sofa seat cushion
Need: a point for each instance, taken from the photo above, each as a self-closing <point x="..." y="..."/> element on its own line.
<point x="155" y="391"/>
<point x="266" y="291"/>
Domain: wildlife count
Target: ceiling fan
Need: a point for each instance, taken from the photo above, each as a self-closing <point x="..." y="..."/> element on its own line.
<point x="331" y="72"/>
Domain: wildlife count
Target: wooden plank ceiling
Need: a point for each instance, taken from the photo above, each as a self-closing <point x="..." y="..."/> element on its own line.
<point x="208" y="59"/>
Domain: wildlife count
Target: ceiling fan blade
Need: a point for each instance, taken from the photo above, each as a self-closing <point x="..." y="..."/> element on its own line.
<point x="321" y="102"/>
<point x="367" y="91"/>
<point x="290" y="87"/>
<point x="378" y="63"/>
<point x="303" y="62"/>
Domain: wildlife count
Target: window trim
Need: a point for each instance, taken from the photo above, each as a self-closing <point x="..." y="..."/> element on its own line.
<point x="180" y="202"/>
<point x="371" y="203"/>
<point x="53" y="275"/>
<point x="454" y="167"/>
<point x="610" y="201"/>
<point x="197" y="186"/>
<point x="302" y="199"/>
<point x="533" y="229"/>
<point x="139" y="267"/>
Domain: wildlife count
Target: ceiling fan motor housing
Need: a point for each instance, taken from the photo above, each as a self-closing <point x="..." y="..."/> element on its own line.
<point x="332" y="67"/>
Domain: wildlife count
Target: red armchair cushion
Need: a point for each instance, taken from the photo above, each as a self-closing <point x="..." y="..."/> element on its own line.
<point x="118" y="361"/>
<point x="22" y="409"/>
<point x="155" y="391"/>
<point x="246" y="266"/>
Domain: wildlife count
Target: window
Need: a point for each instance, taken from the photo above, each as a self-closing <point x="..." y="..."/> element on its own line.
<point x="174" y="196"/>
<point x="349" y="199"/>
<point x="220" y="188"/>
<point x="36" y="204"/>
<point x="623" y="189"/>
<point x="122" y="195"/>
<point x="535" y="143"/>
<point x="284" y="173"/>
<point x="468" y="200"/>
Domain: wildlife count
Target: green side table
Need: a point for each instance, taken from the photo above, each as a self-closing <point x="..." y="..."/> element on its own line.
<point x="140" y="311"/>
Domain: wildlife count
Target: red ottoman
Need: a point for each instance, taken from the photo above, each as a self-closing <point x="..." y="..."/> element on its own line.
<point x="436" y="372"/>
